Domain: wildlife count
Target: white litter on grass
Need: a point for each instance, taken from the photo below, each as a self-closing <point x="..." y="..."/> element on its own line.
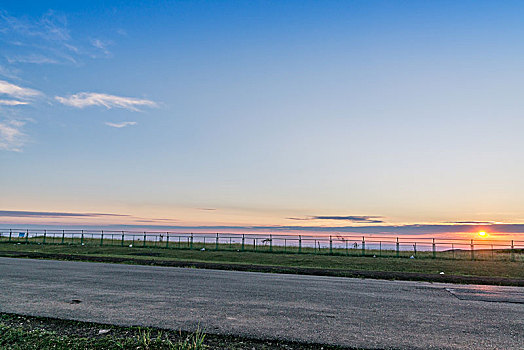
<point x="374" y="256"/>
<point x="442" y="273"/>
<point x="83" y="244"/>
<point x="103" y="331"/>
<point x="203" y="249"/>
<point x="130" y="246"/>
<point x="412" y="257"/>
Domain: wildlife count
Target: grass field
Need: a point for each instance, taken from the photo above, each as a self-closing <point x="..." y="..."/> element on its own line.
<point x="388" y="247"/>
<point x="495" y="268"/>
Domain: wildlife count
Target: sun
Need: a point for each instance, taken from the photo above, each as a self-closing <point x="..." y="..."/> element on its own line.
<point x="483" y="234"/>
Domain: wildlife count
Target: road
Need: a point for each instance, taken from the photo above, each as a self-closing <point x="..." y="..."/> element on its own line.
<point x="350" y="312"/>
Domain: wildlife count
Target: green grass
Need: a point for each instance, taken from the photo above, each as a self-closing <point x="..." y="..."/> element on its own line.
<point x="423" y="264"/>
<point x="20" y="332"/>
<point x="22" y="338"/>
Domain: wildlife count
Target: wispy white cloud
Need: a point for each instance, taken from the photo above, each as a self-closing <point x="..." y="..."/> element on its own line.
<point x="8" y="72"/>
<point x="31" y="58"/>
<point x="12" y="103"/>
<point x="101" y="45"/>
<point x="16" y="91"/>
<point x="121" y="31"/>
<point x="45" y="40"/>
<point x="50" y="27"/>
<point x="120" y="125"/>
<point x="11" y="136"/>
<point x="85" y="99"/>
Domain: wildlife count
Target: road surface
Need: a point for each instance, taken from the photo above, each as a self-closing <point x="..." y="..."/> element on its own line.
<point x="343" y="311"/>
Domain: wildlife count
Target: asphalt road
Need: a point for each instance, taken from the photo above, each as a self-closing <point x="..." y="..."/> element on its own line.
<point x="349" y="312"/>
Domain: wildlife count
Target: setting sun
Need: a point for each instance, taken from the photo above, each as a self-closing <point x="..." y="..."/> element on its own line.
<point x="483" y="234"/>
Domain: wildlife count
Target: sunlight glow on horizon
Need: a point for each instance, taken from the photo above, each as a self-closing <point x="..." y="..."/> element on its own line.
<point x="264" y="115"/>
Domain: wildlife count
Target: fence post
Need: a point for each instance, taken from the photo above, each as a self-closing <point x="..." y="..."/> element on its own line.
<point x="144" y="243"/>
<point x="102" y="238"/>
<point x="330" y="245"/>
<point x="216" y="242"/>
<point x="472" y="247"/>
<point x="167" y="239"/>
<point x="191" y="242"/>
<point x="45" y="233"/>
<point x="270" y="243"/>
<point x="10" y="234"/>
<point x="300" y="244"/>
<point x="347" y="248"/>
<point x="27" y="236"/>
<point x="380" y="248"/>
<point x="415" y="249"/>
<point x="122" y="242"/>
<point x="512" y="250"/>
<point x="82" y="238"/>
<point x="243" y="241"/>
<point x="398" y="248"/>
<point x="434" y="249"/>
<point x="363" y="246"/>
<point x="63" y="236"/>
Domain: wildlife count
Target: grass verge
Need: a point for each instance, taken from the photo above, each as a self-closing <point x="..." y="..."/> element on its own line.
<point x="27" y="332"/>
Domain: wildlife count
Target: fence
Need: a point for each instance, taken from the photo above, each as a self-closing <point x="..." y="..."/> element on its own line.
<point x="480" y="249"/>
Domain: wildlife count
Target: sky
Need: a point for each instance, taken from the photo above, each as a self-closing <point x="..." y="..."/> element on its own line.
<point x="353" y="116"/>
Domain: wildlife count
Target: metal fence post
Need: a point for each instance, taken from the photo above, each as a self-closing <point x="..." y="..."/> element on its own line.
<point x="167" y="239"/>
<point x="27" y="236"/>
<point x="415" y="249"/>
<point x="144" y="243"/>
<point x="347" y="248"/>
<point x="398" y="248"/>
<point x="512" y="250"/>
<point x="300" y="244"/>
<point x="270" y="243"/>
<point x="82" y="238"/>
<point x="243" y="241"/>
<point x="63" y="236"/>
<point x="363" y="246"/>
<point x="434" y="249"/>
<point x="191" y="242"/>
<point x="472" y="247"/>
<point x="102" y="238"/>
<point x="45" y="233"/>
<point x="330" y="245"/>
<point x="216" y="242"/>
<point x="122" y="241"/>
<point x="10" y="234"/>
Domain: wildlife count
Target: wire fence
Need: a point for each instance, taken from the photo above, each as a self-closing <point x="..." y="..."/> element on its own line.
<point x="401" y="247"/>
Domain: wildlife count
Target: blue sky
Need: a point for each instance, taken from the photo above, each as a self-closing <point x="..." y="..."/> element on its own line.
<point x="259" y="113"/>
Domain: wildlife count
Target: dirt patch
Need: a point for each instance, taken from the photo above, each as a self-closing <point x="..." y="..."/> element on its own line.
<point x="388" y="275"/>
